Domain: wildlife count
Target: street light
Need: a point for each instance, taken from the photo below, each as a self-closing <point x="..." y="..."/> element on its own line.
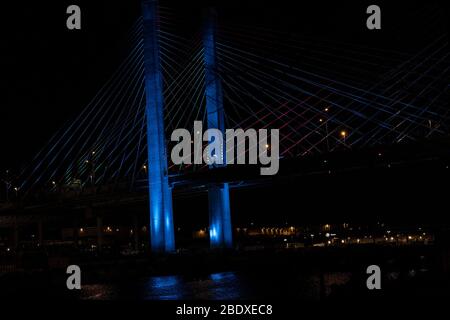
<point x="343" y="134"/>
<point x="16" y="189"/>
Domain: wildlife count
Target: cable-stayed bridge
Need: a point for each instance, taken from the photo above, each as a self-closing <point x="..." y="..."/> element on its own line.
<point x="326" y="98"/>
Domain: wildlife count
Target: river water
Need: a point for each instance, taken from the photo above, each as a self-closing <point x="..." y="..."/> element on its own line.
<point x="216" y="286"/>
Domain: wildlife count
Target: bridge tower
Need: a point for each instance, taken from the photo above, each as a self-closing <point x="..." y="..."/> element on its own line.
<point x="220" y="229"/>
<point x="160" y="193"/>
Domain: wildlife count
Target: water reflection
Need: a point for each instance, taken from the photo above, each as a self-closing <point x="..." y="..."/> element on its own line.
<point x="221" y="286"/>
<point x="227" y="286"/>
<point x="164" y="288"/>
<point x="216" y="286"/>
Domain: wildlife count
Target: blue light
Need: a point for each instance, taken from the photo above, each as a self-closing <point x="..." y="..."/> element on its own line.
<point x="160" y="194"/>
<point x="213" y="234"/>
<point x="218" y="194"/>
<point x="220" y="216"/>
<point x="221" y="276"/>
<point x="164" y="288"/>
<point x="164" y="282"/>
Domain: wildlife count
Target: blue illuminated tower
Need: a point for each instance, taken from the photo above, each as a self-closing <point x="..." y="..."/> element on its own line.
<point x="220" y="230"/>
<point x="160" y="194"/>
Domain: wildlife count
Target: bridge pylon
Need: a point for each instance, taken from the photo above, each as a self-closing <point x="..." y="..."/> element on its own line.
<point x="220" y="229"/>
<point x="160" y="193"/>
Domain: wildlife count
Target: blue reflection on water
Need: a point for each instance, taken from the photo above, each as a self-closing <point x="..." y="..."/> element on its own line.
<point x="164" y="282"/>
<point x="217" y="286"/>
<point x="164" y="288"/>
<point x="231" y="276"/>
<point x="227" y="286"/>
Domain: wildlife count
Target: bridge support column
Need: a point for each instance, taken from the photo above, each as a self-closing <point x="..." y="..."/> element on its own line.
<point x="160" y="194"/>
<point x="220" y="229"/>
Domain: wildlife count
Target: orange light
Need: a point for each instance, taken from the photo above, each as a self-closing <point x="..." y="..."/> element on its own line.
<point x="343" y="133"/>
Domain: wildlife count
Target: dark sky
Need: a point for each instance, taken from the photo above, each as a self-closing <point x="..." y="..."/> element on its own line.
<point x="49" y="73"/>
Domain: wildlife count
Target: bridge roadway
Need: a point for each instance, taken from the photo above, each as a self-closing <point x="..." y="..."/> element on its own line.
<point x="429" y="154"/>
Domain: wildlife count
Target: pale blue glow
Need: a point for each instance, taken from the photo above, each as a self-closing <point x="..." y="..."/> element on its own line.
<point x="213" y="234"/>
<point x="164" y="288"/>
<point x="160" y="194"/>
<point x="218" y="195"/>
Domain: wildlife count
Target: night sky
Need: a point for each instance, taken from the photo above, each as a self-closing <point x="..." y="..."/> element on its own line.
<point x="48" y="72"/>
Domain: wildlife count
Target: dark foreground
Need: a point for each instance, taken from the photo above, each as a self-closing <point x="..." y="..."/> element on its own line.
<point x="307" y="274"/>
